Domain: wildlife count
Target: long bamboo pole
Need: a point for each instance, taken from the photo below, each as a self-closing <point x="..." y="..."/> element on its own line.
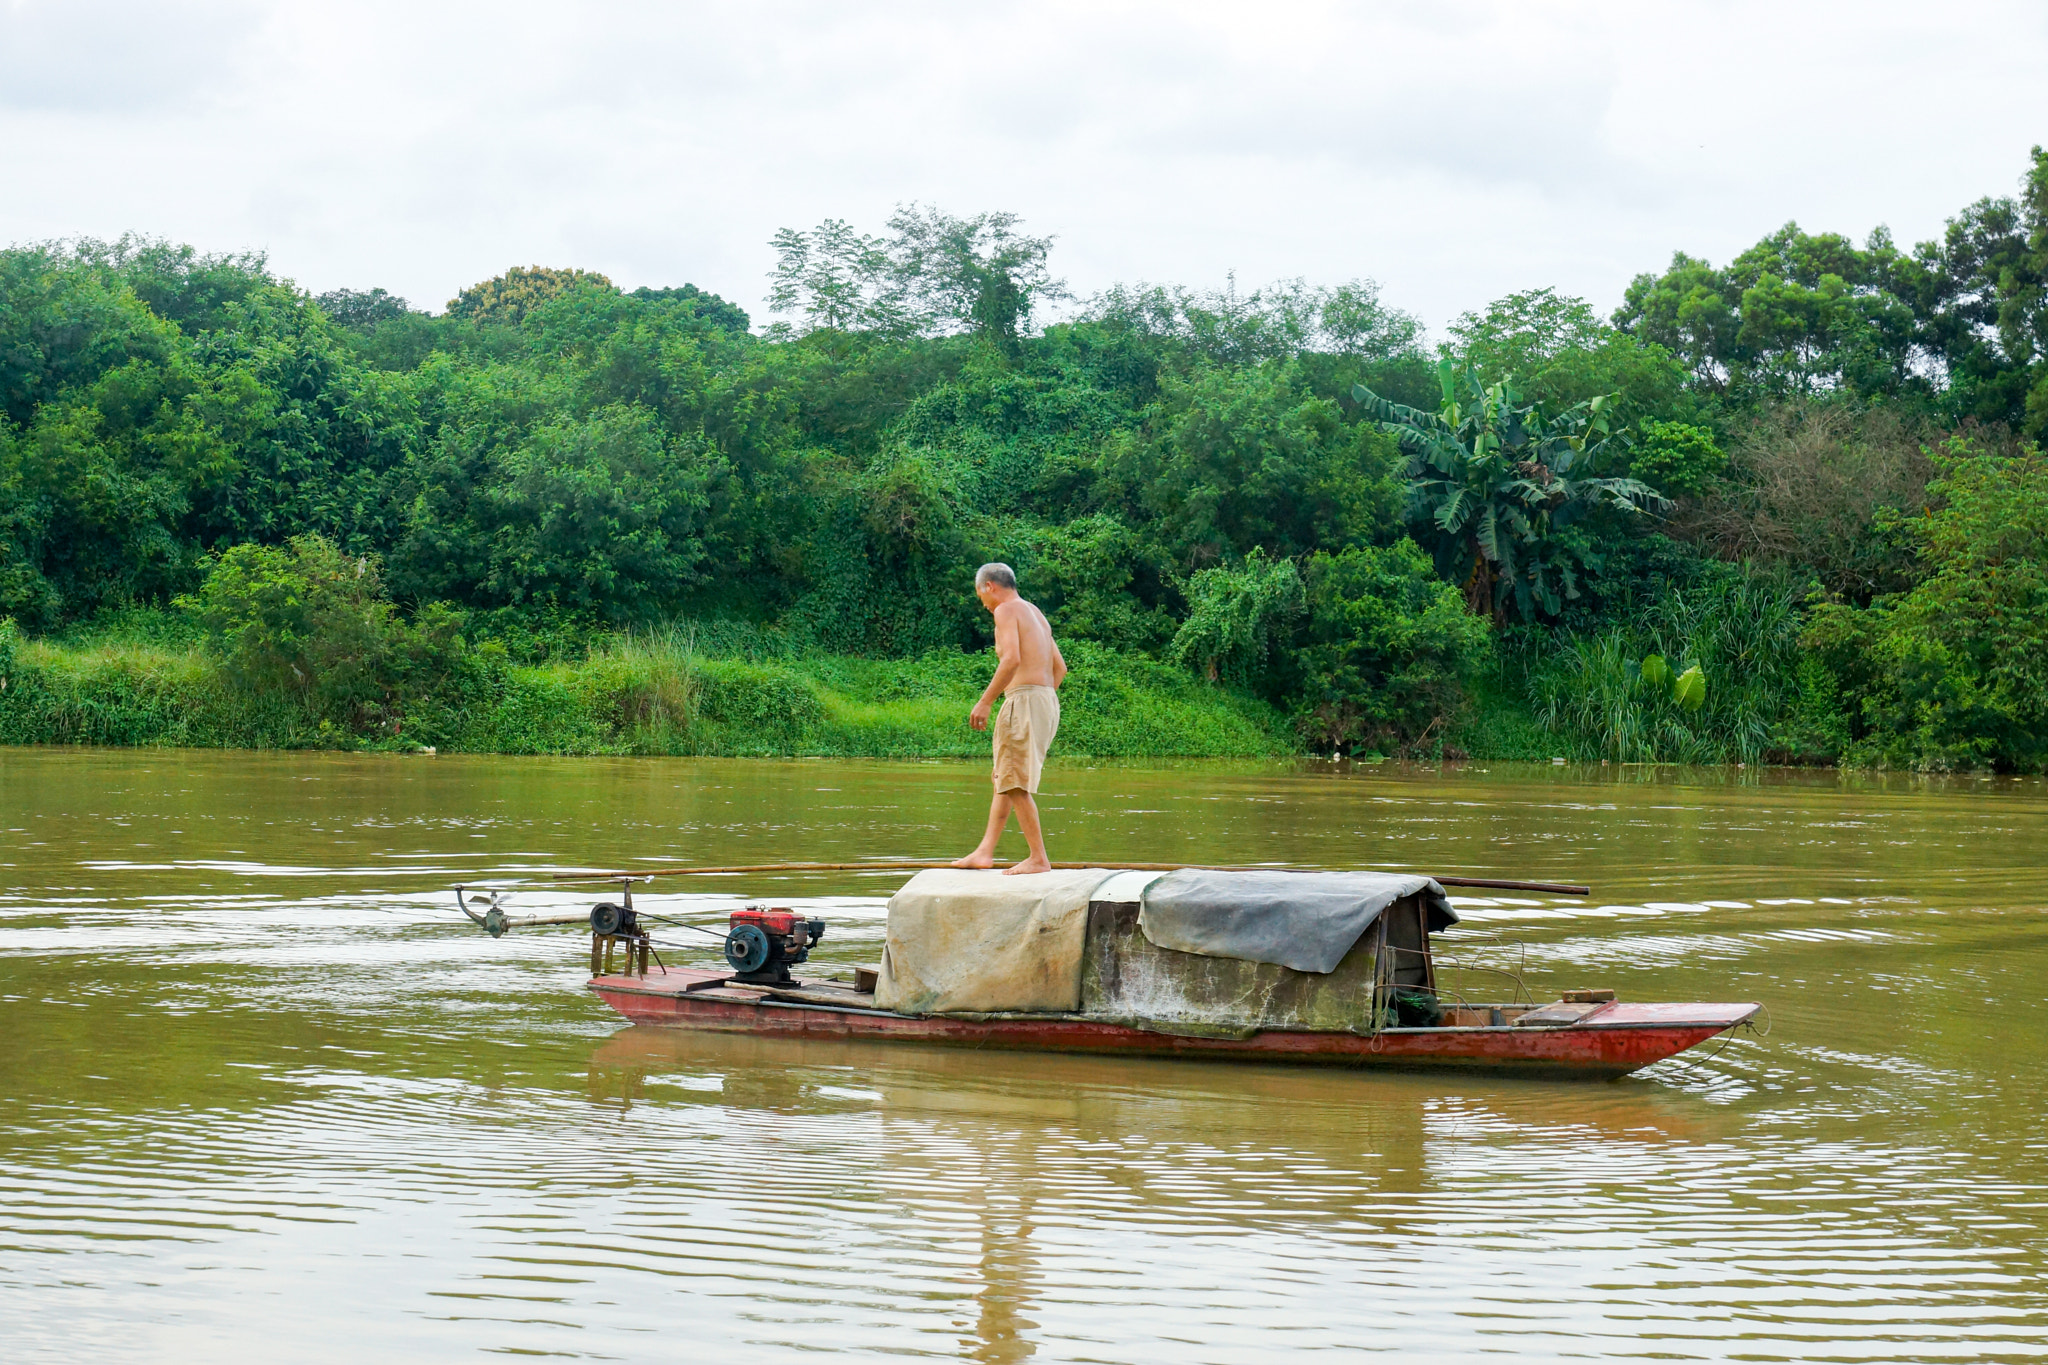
<point x="909" y="864"/>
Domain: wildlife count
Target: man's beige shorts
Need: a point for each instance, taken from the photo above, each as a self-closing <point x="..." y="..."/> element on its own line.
<point x="1023" y="731"/>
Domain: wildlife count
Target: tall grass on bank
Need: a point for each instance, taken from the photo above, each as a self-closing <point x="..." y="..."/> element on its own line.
<point x="127" y="692"/>
<point x="1741" y="627"/>
<point x="651" y="692"/>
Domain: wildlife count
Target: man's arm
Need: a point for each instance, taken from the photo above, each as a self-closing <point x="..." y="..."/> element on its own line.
<point x="1007" y="658"/>
<point x="1059" y="663"/>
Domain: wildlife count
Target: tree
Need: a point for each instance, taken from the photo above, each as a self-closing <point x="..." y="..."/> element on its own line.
<point x="701" y="304"/>
<point x="835" y="278"/>
<point x="1561" y="353"/>
<point x="1692" y="312"/>
<point x="1279" y="321"/>
<point x="936" y="275"/>
<point x="1964" y="318"/>
<point x="506" y="299"/>
<point x="1989" y="305"/>
<point x="1797" y="313"/>
<point x="980" y="275"/>
<point x="596" y="515"/>
<point x="1385" y="648"/>
<point x="1233" y="459"/>
<point x="199" y="293"/>
<point x="307" y="620"/>
<point x="1521" y="333"/>
<point x="1495" y="489"/>
<point x="1948" y="674"/>
<point x="362" y="307"/>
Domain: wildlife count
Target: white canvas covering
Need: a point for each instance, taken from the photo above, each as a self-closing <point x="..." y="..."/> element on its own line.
<point x="963" y="941"/>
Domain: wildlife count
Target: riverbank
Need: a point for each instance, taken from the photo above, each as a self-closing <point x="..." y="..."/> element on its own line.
<point x="629" y="696"/>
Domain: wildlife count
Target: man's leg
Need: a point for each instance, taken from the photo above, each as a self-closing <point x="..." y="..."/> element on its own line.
<point x="1027" y="821"/>
<point x="984" y="854"/>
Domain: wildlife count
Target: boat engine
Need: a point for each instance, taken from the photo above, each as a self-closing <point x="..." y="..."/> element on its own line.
<point x="762" y="944"/>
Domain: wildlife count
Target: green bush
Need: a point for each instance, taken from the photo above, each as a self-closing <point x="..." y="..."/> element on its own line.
<point x="307" y="621"/>
<point x="1241" y="620"/>
<point x="1386" y="648"/>
<point x="1676" y="458"/>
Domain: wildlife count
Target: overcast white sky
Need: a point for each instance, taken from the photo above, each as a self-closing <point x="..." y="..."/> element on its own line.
<point x="1452" y="151"/>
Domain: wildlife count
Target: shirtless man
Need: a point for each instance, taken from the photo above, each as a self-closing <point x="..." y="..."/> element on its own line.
<point x="1029" y="670"/>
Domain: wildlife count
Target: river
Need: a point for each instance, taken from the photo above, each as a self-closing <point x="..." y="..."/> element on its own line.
<point x="263" y="1093"/>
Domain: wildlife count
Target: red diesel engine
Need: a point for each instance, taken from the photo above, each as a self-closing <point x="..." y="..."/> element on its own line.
<point x="762" y="944"/>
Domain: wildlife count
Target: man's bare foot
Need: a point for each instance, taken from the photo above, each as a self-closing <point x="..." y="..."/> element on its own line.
<point x="1028" y="866"/>
<point x="976" y="860"/>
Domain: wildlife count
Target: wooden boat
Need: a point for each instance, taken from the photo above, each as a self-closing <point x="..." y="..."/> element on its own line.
<point x="1142" y="1000"/>
<point x="1598" y="1042"/>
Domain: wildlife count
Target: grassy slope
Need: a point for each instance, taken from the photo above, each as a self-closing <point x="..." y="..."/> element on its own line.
<point x="632" y="698"/>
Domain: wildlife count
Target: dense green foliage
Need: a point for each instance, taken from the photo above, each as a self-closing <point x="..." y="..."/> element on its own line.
<point x="1786" y="509"/>
<point x="1962" y="322"/>
<point x="305" y="621"/>
<point x="1706" y="672"/>
<point x="1949" y="673"/>
<point x="1495" y="488"/>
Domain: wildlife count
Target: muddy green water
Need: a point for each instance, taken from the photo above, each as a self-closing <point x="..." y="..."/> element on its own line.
<point x="262" y="1095"/>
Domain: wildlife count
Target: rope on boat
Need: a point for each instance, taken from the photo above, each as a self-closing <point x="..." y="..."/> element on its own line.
<point x="1727" y="1036"/>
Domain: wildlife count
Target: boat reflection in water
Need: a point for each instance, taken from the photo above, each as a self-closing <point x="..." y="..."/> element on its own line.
<point x="1021" y="1173"/>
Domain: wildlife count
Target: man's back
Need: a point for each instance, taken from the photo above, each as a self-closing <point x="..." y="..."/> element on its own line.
<point x="1023" y="628"/>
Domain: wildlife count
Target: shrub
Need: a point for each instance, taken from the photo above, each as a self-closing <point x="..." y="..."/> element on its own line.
<point x="1239" y="619"/>
<point x="306" y="620"/>
<point x="1386" y="648"/>
<point x="1677" y="458"/>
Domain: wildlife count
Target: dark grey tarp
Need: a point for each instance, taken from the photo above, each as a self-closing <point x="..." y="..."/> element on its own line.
<point x="1303" y="920"/>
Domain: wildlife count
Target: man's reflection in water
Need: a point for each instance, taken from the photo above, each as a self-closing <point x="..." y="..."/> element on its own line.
<point x="1007" y="1269"/>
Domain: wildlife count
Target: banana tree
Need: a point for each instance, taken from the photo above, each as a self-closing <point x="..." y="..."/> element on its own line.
<point x="1495" y="487"/>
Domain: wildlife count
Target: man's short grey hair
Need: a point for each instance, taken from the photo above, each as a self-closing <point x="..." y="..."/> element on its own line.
<point x="999" y="574"/>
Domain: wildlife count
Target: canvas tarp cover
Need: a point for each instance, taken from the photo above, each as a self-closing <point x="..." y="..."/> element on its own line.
<point x="1303" y="920"/>
<point x="964" y="942"/>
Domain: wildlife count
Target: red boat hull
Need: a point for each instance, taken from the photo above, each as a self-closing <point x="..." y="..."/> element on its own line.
<point x="1611" y="1042"/>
